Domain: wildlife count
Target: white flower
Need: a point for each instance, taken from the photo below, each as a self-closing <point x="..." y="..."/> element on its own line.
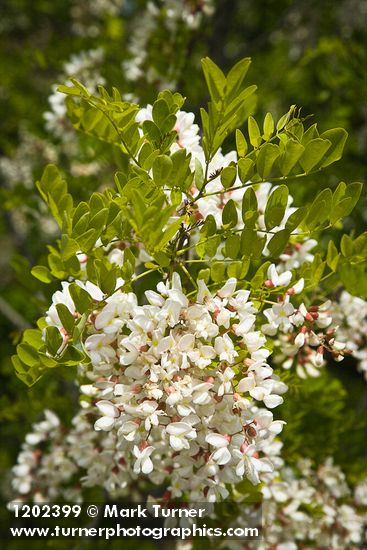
<point x="249" y="465"/>
<point x="178" y="432"/>
<point x="202" y="355"/>
<point x="110" y="413"/>
<point x="279" y="280"/>
<point x="99" y="349"/>
<point x="224" y="347"/>
<point x="228" y="289"/>
<point x="299" y="286"/>
<point x="226" y="381"/>
<point x="144" y="462"/>
<point x="220" y="442"/>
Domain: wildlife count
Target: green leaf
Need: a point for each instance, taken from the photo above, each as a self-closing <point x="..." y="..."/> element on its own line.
<point x="176" y="196"/>
<point x="283" y="121"/>
<point x="252" y="245"/>
<point x="239" y="269"/>
<point x="268" y="154"/>
<point x="33" y="337"/>
<point x="42" y="273"/>
<point x="345" y="198"/>
<point x="211" y="246"/>
<point x="199" y="174"/>
<point x="289" y="158"/>
<point x="168" y="233"/>
<point x="99" y="219"/>
<point x="311" y="133"/>
<point x="181" y="170"/>
<point x="28" y="375"/>
<point x="53" y="339"/>
<point x="254" y="132"/>
<point x="28" y="354"/>
<point x="232" y="246"/>
<point x="66" y="317"/>
<point x="217" y="271"/>
<point x="204" y="274"/>
<point x="268" y="126"/>
<point x="249" y="208"/>
<point x="278" y="242"/>
<point x="69" y="90"/>
<point x="162" y="169"/>
<point x="88" y="239"/>
<point x="160" y="111"/>
<point x="315" y="150"/>
<point x="215" y="79"/>
<point x="79" y="327"/>
<point x="228" y="176"/>
<point x="241" y="143"/>
<point x="80" y="297"/>
<point x="53" y="190"/>
<point x="332" y="258"/>
<point x="68" y="247"/>
<point x="276" y="206"/>
<point x="258" y="279"/>
<point x="72" y="356"/>
<point x="346" y="246"/>
<point x="162" y="258"/>
<point x="338" y="137"/>
<point x="229" y="215"/>
<point x="151" y="131"/>
<point x="319" y="209"/>
<point x="235" y="78"/>
<point x="245" y="169"/>
<point x="296" y="218"/>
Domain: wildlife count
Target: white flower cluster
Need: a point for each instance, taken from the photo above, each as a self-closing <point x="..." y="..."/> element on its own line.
<point x="313" y="508"/>
<point x="172" y="14"/>
<point x="302" y="334"/>
<point x="302" y="506"/>
<point x="176" y="381"/>
<point x="83" y="66"/>
<point x="43" y="468"/>
<point x="350" y="314"/>
<point x="87" y="16"/>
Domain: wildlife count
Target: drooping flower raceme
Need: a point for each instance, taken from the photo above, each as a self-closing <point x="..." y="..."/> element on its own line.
<point x="174" y="381"/>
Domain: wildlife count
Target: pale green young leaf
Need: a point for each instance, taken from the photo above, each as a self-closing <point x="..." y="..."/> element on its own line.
<point x="215" y="79"/>
<point x="241" y="143"/>
<point x="268" y="126"/>
<point x="42" y="273"/>
<point x="254" y="132"/>
<point x="338" y="137"/>
<point x="314" y="152"/>
<point x="199" y="174"/>
<point x="235" y="78"/>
